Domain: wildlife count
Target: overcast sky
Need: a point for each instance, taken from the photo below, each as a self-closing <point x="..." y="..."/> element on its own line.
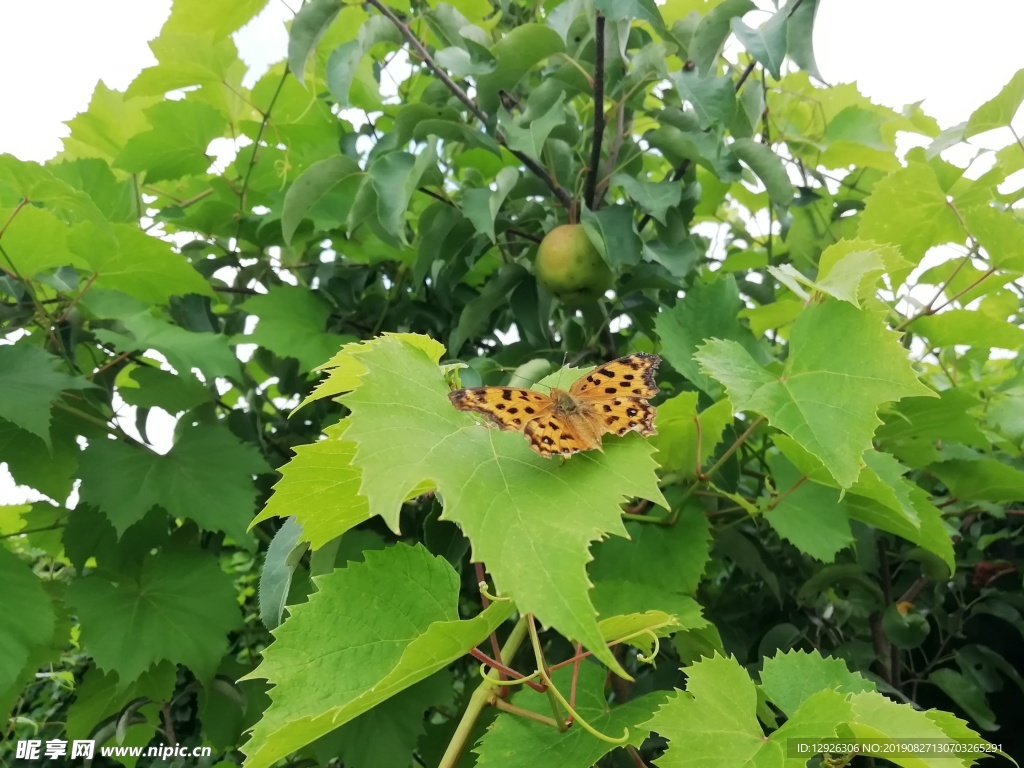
<point x="952" y="54"/>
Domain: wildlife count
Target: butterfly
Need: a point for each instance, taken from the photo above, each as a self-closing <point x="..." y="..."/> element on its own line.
<point x="611" y="398"/>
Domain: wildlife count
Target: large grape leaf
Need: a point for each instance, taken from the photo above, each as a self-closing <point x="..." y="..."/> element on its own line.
<point x="180" y="607"/>
<point x="370" y="630"/>
<point x="715" y="721"/>
<point x="909" y="208"/>
<point x="682" y="432"/>
<point x="530" y="520"/>
<point x="843" y="364"/>
<point x="206" y="477"/>
<point x="292" y="323"/>
<point x="789" y="679"/>
<point x="30" y="624"/>
<point x="126" y="259"/>
<point x="516" y="742"/>
<point x="176" y="144"/>
<point x="709" y="310"/>
<point x="30" y="383"/>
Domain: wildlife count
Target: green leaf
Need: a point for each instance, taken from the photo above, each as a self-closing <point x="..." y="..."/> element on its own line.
<point x="713" y="98"/>
<point x="346" y="58"/>
<point x="321" y="180"/>
<point x="807" y="514"/>
<point x="767" y="43"/>
<point x="291" y="324"/>
<point x="481" y="206"/>
<point x="99" y="696"/>
<point x="30" y="383"/>
<point x="908" y="208"/>
<point x="147" y="387"/>
<point x="516" y="53"/>
<point x="179" y="608"/>
<point x="800" y="35"/>
<point x="969" y="327"/>
<point x="397" y="622"/>
<point x="206" y="477"/>
<point x="128" y="260"/>
<point x="653" y="197"/>
<point x="999" y="111"/>
<point x="176" y="144"/>
<point x="36" y="620"/>
<point x="613" y="233"/>
<point x="826" y="402"/>
<point x="185" y="350"/>
<point x="395" y="177"/>
<point x="713" y="29"/>
<point x="387" y="735"/>
<point x="714" y="722"/>
<point x="308" y="27"/>
<point x="529" y="518"/>
<point x="104" y="128"/>
<point x="218" y="20"/>
<point x="476" y="313"/>
<point x="185" y="59"/>
<point x="36" y="241"/>
<point x="1000" y="233"/>
<point x="530" y="138"/>
<point x="622" y="10"/>
<point x="682" y="432"/>
<point x="278" y="568"/>
<point x="849" y="269"/>
<point x="930" y="532"/>
<point x="709" y="310"/>
<point x="967" y="696"/>
<point x="320" y="488"/>
<point x="768" y="167"/>
<point x="516" y="742"/>
<point x="978" y="478"/>
<point x="790" y="679"/>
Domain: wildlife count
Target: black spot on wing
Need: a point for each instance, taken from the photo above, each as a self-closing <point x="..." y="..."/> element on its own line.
<point x="506" y="394"/>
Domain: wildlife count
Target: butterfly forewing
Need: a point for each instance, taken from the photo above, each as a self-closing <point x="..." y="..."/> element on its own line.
<point x="510" y="408"/>
<point x="629" y="376"/>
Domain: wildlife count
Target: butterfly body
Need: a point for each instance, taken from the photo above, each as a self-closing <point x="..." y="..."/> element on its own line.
<point x="611" y="398"/>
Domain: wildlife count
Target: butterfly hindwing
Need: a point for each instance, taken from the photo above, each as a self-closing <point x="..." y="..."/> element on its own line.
<point x="510" y="408"/>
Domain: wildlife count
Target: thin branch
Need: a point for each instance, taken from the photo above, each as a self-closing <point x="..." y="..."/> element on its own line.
<point x="536" y="168"/>
<point x="746" y="74"/>
<point x="252" y="159"/>
<point x="598" y="137"/>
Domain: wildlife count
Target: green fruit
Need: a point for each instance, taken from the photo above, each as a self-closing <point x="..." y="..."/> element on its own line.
<point x="569" y="266"/>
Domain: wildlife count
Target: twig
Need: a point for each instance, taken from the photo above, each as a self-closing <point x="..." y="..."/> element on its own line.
<point x="598" y="137"/>
<point x="535" y="167"/>
<point x="252" y="161"/>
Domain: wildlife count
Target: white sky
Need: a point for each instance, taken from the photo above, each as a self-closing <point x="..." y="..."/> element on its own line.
<point x="954" y="55"/>
<point x="951" y="54"/>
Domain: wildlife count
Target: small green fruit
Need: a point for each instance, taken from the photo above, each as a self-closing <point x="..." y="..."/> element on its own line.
<point x="569" y="266"/>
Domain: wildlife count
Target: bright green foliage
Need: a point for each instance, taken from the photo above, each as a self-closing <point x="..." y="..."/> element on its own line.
<point x="30" y="385"/>
<point x="385" y="645"/>
<point x="530" y="519"/>
<point x="20" y="638"/>
<point x="832" y="496"/>
<point x="177" y="608"/>
<point x="206" y="477"/>
<point x="825" y="402"/>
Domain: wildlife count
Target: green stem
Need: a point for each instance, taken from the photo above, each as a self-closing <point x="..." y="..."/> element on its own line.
<point x="485" y="694"/>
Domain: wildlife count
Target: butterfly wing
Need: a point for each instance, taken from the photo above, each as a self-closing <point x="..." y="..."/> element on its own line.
<point x="510" y="408"/>
<point x="618" y="391"/>
<point x="554" y="435"/>
<point x="629" y="376"/>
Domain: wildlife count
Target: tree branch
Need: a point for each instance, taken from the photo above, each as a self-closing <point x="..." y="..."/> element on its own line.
<point x="595" y="150"/>
<point x="536" y="168"/>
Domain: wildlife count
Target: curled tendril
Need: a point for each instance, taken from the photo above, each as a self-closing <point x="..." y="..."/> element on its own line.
<point x="482" y="586"/>
<point x="654" y="652"/>
<point x="517" y="681"/>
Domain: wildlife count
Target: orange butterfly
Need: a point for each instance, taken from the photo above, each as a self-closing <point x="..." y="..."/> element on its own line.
<point x="611" y="398"/>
